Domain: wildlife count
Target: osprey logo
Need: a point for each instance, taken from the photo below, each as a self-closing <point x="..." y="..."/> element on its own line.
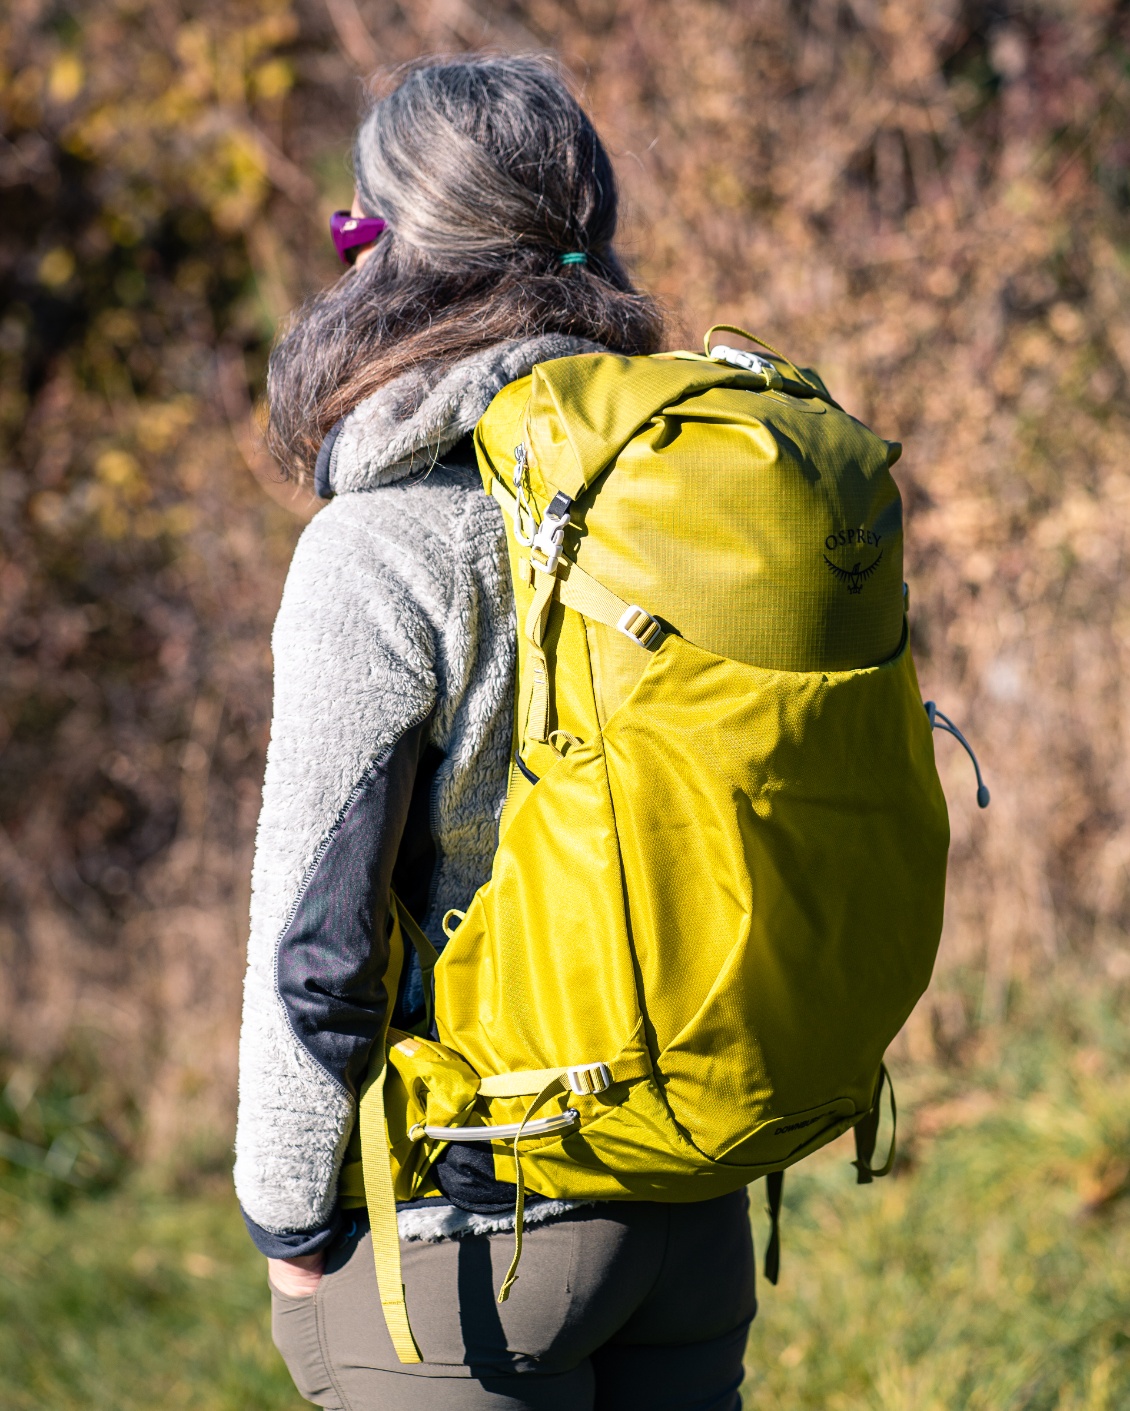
<point x="856" y="576"/>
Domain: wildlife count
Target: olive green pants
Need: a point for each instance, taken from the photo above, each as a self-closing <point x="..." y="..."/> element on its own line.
<point x="616" y="1306"/>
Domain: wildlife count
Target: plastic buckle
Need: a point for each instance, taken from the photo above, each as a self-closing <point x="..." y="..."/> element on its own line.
<point x="640" y="626"/>
<point x="550" y="537"/>
<point x="749" y="362"/>
<point x="588" y="1078"/>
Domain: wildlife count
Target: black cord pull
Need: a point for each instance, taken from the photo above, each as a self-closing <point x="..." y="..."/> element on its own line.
<point x="938" y="721"/>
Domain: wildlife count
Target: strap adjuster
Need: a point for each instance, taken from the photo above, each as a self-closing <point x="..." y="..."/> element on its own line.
<point x="640" y="626"/>
<point x="588" y="1078"/>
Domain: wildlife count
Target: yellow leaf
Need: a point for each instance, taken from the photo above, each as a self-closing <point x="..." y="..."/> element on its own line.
<point x="180" y="520"/>
<point x="117" y="468"/>
<point x="64" y="81"/>
<point x="56" y="267"/>
<point x="273" y="78"/>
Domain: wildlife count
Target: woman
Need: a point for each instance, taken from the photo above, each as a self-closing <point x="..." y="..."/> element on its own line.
<point x="482" y="228"/>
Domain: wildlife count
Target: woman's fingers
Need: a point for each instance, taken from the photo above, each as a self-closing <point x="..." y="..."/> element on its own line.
<point x="297" y="1278"/>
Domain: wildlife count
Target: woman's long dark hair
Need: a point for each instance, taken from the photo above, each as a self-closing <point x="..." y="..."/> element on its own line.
<point x="487" y="171"/>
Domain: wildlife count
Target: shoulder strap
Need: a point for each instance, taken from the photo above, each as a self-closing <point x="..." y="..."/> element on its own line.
<point x="382" y="1213"/>
<point x="568" y="583"/>
<point x="375" y="1161"/>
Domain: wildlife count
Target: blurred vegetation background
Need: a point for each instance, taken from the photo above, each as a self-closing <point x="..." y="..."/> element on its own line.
<point x="930" y="202"/>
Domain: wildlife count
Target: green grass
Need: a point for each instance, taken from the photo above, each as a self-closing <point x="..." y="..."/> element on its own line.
<point x="131" y="1301"/>
<point x="991" y="1272"/>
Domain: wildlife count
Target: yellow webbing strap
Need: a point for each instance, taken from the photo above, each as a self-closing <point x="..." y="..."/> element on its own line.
<point x="376" y="1163"/>
<point x="545" y="1083"/>
<point x="579" y="591"/>
<point x="528" y="1081"/>
<point x="537" y="717"/>
<point x="753" y="338"/>
<point x="505" y="497"/>
<point x="382" y="1215"/>
<point x="554" y="1086"/>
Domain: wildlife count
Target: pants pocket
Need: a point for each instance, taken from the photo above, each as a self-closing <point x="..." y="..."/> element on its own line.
<point x="294" y="1330"/>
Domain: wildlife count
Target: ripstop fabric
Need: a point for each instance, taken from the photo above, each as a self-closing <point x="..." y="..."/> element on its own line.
<point x="719" y="883"/>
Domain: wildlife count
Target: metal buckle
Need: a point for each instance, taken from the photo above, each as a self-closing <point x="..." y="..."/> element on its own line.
<point x="588" y="1078"/>
<point x="640" y="626"/>
<point x="523" y="506"/>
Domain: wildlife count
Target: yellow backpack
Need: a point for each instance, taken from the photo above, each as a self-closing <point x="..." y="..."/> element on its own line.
<point x="720" y="875"/>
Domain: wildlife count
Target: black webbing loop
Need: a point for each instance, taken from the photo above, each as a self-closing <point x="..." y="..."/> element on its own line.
<point x="774" y="1185"/>
<point x="867" y="1130"/>
<point x="425" y="952"/>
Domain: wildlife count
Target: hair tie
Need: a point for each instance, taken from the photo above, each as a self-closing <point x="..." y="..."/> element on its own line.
<point x="574" y="257"/>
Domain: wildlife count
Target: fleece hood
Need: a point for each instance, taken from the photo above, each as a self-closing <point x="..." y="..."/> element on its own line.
<point x="411" y="422"/>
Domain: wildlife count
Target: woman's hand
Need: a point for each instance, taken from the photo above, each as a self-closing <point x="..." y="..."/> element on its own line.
<point x="298" y="1277"/>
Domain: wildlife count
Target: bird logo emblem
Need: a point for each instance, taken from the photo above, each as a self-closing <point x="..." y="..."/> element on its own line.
<point x="854" y="578"/>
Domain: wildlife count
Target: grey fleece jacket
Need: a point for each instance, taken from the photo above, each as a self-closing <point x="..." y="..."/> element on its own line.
<point x="394" y="645"/>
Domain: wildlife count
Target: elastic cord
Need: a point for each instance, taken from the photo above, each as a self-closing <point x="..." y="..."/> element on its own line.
<point x="574" y="257"/>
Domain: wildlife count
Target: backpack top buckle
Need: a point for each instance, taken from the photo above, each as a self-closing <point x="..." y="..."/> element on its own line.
<point x="549" y="539"/>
